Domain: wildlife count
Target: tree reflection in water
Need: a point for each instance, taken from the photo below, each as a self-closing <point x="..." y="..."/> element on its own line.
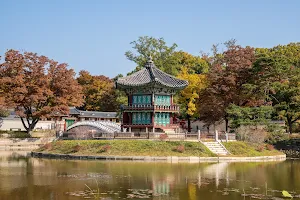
<point x="22" y="177"/>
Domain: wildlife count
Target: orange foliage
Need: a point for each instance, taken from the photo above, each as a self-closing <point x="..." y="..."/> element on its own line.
<point x="37" y="86"/>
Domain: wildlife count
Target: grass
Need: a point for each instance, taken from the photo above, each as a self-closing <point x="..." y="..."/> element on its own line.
<point x="126" y="148"/>
<point x="15" y="134"/>
<point x="240" y="148"/>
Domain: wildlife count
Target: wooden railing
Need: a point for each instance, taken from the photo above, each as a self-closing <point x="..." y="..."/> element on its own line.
<point x="166" y="126"/>
<point x="171" y="107"/>
<point x="149" y="135"/>
<point x="152" y="107"/>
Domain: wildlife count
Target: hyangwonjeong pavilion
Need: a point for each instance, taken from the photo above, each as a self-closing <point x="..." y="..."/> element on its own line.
<point x="150" y="94"/>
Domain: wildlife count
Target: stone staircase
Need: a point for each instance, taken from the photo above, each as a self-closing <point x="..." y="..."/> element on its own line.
<point x="216" y="148"/>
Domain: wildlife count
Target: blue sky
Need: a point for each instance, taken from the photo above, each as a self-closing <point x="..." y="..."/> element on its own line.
<point x="93" y="35"/>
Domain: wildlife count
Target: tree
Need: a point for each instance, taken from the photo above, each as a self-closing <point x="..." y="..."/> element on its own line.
<point x="278" y="69"/>
<point x="37" y="86"/>
<point x="156" y="47"/>
<point x="194" y="64"/>
<point x="165" y="57"/>
<point x="99" y="92"/>
<point x="189" y="95"/>
<point x="249" y="116"/>
<point x="3" y="111"/>
<point x="230" y="73"/>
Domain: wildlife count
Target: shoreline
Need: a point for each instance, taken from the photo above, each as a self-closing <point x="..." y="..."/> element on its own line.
<point x="172" y="159"/>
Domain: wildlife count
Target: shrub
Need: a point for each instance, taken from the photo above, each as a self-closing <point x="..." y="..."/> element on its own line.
<point x="163" y="137"/>
<point x="252" y="134"/>
<point x="260" y="148"/>
<point x="48" y="146"/>
<point x="76" y="148"/>
<point x="105" y="148"/>
<point x="16" y="134"/>
<point x="270" y="147"/>
<point x="180" y="148"/>
<point x="275" y="134"/>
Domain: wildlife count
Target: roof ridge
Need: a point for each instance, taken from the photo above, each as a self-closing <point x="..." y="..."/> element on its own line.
<point x="151" y="74"/>
<point x="131" y="75"/>
<point x="170" y="75"/>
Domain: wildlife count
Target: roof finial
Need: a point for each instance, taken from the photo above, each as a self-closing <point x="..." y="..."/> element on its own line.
<point x="149" y="62"/>
<point x="150" y="59"/>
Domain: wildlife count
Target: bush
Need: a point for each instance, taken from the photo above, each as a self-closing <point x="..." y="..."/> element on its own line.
<point x="76" y="148"/>
<point x="260" y="148"/>
<point x="48" y="146"/>
<point x="270" y="147"/>
<point x="163" y="137"/>
<point x="252" y="134"/>
<point x="18" y="134"/>
<point x="4" y="113"/>
<point x="105" y="148"/>
<point x="275" y="133"/>
<point x="180" y="148"/>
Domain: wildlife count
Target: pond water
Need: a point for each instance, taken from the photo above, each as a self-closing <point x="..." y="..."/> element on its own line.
<point x="23" y="177"/>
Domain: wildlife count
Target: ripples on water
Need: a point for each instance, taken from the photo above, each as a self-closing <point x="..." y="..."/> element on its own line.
<point x="22" y="178"/>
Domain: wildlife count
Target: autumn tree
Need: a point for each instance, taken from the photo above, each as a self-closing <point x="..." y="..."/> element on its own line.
<point x="99" y="92"/>
<point x="193" y="64"/>
<point x="278" y="70"/>
<point x="189" y="95"/>
<point x="37" y="86"/>
<point x="229" y="75"/>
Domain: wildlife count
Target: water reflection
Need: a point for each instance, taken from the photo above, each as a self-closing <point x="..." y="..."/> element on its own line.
<point x="22" y="177"/>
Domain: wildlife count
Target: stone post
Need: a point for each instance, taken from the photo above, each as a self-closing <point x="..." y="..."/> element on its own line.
<point x="226" y="134"/>
<point x="199" y="135"/>
<point x="216" y="135"/>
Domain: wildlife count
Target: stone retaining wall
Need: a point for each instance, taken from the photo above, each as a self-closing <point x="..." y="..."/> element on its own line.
<point x="172" y="159"/>
<point x="23" y="143"/>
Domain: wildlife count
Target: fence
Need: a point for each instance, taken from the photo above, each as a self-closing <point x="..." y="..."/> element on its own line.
<point x="197" y="136"/>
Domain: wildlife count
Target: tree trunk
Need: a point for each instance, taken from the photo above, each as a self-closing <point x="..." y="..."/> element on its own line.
<point x="290" y="124"/>
<point x="189" y="123"/>
<point x="226" y="122"/>
<point x="30" y="125"/>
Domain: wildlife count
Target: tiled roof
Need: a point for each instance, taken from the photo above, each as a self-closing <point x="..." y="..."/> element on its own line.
<point x="96" y="114"/>
<point x="151" y="74"/>
<point x="91" y="114"/>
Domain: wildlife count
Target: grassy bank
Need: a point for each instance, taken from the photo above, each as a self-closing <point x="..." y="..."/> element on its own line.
<point x="239" y="148"/>
<point x="127" y="148"/>
<point x="14" y="134"/>
<point x="152" y="148"/>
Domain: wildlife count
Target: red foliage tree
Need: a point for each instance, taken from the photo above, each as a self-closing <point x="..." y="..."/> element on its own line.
<point x="229" y="74"/>
<point x="37" y="86"/>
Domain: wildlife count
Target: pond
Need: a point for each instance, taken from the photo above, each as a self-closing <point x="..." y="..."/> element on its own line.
<point x="23" y="177"/>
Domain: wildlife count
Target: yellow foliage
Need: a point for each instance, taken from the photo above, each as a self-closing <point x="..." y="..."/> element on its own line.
<point x="190" y="94"/>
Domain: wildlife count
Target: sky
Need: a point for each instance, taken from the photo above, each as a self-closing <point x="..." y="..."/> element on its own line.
<point x="93" y="35"/>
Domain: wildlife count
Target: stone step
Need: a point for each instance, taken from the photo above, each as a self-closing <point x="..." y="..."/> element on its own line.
<point x="216" y="148"/>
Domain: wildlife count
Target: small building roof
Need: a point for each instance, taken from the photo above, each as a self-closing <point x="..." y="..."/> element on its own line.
<point x="92" y="114"/>
<point x="150" y="75"/>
